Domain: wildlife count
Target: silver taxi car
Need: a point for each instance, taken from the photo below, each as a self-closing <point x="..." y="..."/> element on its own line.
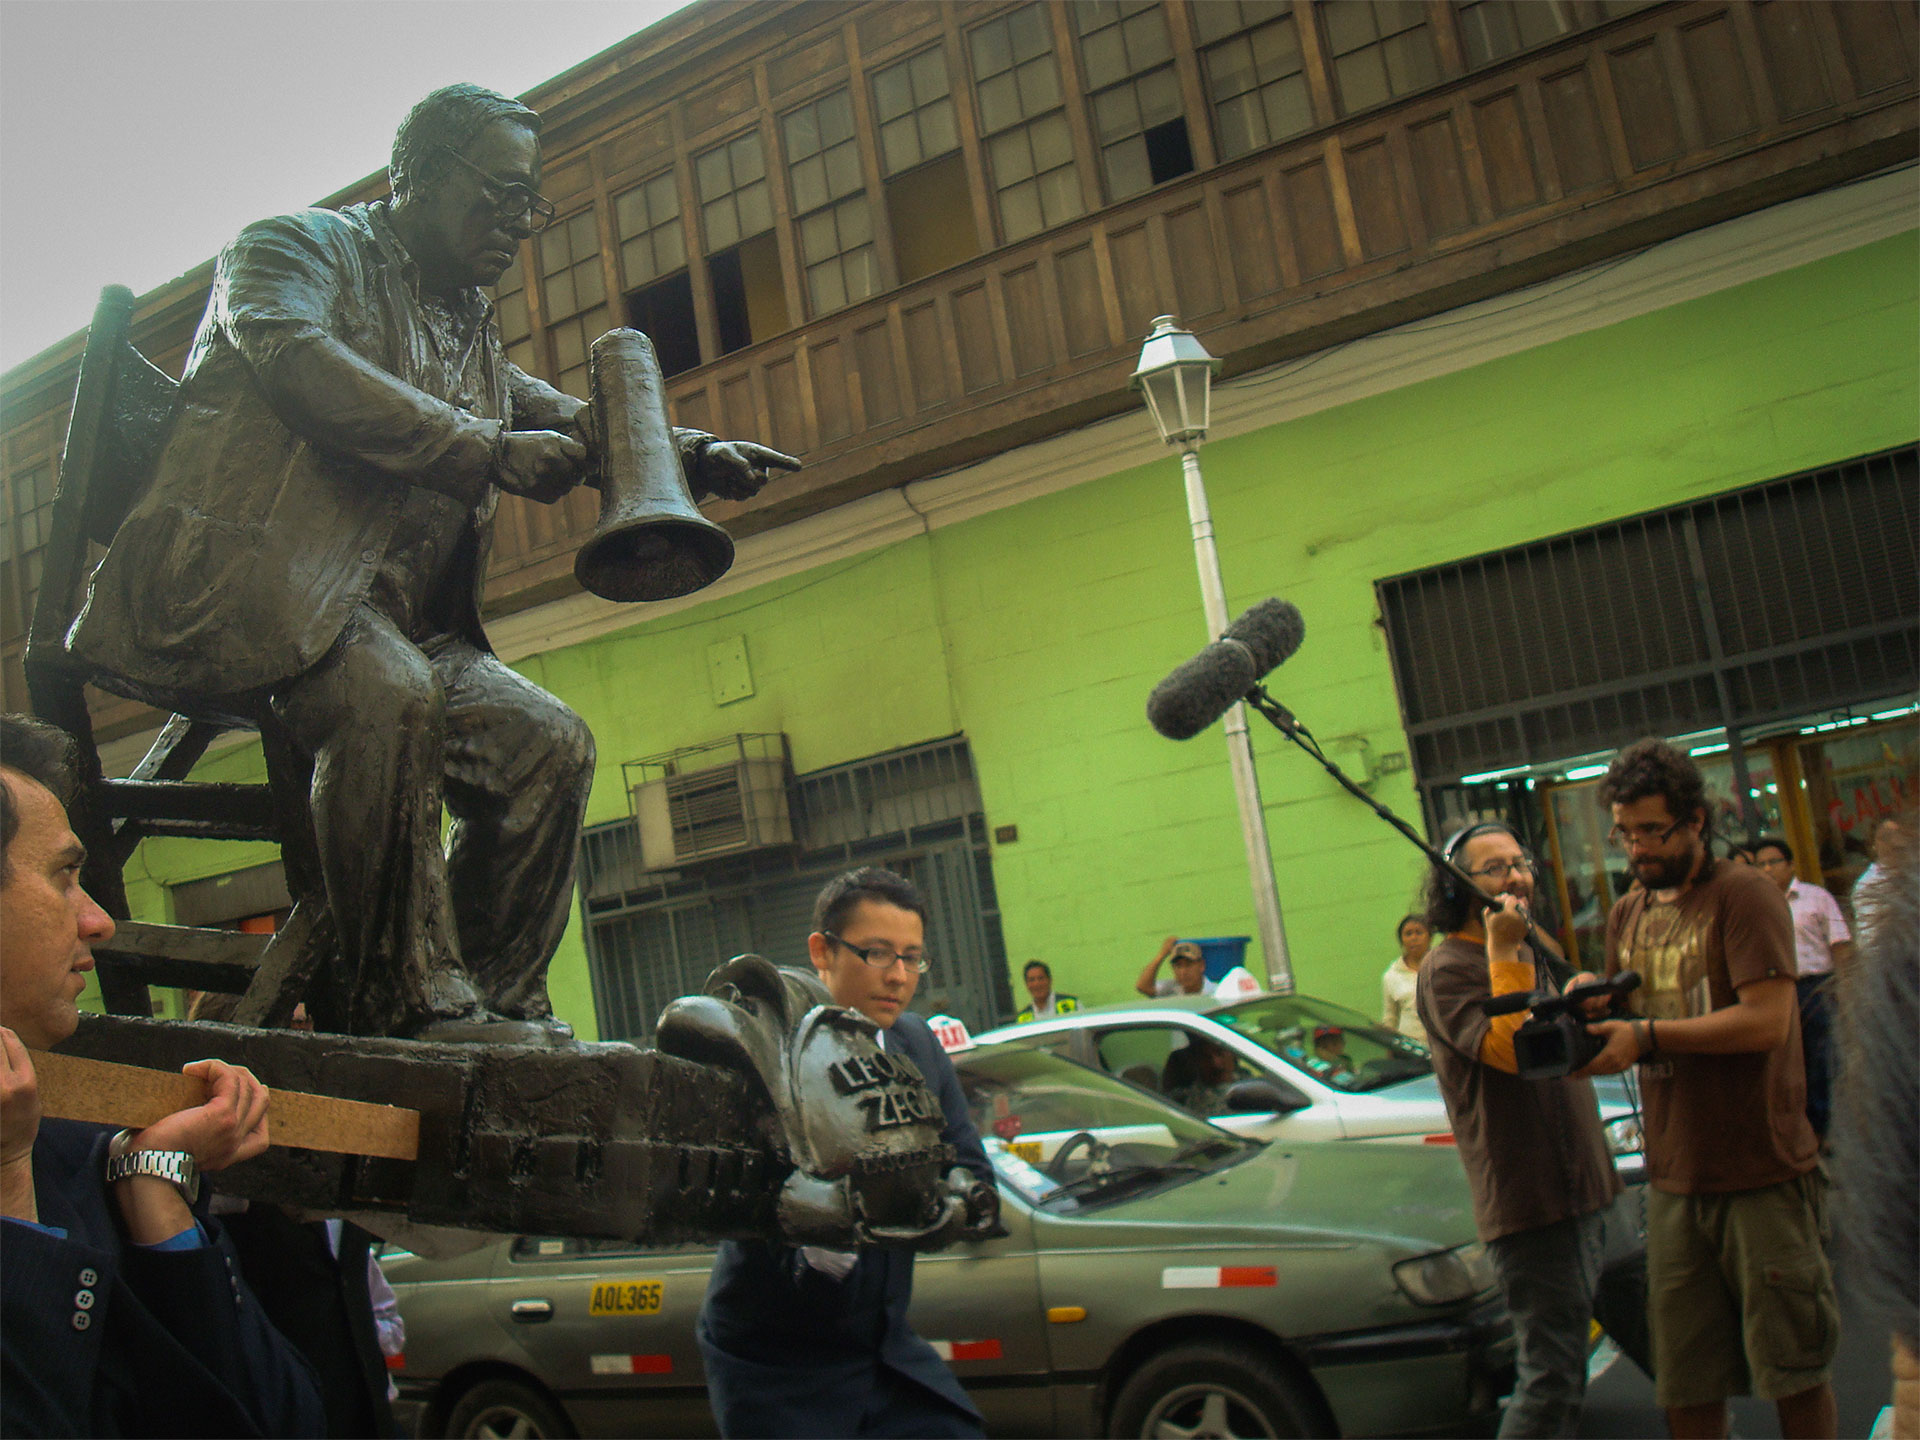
<point x="1159" y="1276"/>
<point x="1286" y="1067"/>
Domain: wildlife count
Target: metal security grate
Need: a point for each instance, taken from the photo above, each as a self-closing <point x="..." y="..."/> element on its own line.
<point x="652" y="936"/>
<point x="889" y="795"/>
<point x="1797" y="595"/>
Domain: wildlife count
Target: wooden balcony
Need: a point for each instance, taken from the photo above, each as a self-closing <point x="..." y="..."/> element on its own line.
<point x="1595" y="146"/>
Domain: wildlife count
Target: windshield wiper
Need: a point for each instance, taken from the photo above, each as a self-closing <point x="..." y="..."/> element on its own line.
<point x="1098" y="1180"/>
<point x="1195" y="1148"/>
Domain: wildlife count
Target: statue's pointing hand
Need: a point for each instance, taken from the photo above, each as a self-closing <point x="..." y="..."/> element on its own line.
<point x="734" y="469"/>
<point x="542" y="465"/>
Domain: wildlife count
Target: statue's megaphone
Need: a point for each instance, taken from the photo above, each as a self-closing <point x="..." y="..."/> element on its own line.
<point x="652" y="542"/>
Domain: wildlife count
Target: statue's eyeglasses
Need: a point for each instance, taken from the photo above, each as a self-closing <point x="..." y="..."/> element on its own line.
<point x="509" y="200"/>
<point x="883" y="957"/>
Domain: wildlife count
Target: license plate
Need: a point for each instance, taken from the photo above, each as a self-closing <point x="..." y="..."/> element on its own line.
<point x="626" y="1297"/>
<point x="1028" y="1150"/>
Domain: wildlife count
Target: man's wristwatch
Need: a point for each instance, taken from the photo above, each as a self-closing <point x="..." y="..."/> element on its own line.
<point x="173" y="1166"/>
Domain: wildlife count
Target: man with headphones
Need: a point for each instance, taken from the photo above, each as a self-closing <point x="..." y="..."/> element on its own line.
<point x="1534" y="1153"/>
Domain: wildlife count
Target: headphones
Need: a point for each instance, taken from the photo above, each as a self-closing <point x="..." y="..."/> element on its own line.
<point x="1451" y="852"/>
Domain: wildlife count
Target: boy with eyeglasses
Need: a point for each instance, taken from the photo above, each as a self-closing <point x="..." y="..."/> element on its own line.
<point x="1741" y="1297"/>
<point x="1535" y="1156"/>
<point x="811" y="1341"/>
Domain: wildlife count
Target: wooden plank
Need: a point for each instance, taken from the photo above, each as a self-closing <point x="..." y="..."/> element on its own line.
<point x="1375" y="193"/>
<point x="1646" y="104"/>
<point x="830" y="393"/>
<point x="1717" y="72"/>
<point x="1504" y="147"/>
<point x="1254" y="247"/>
<point x="1316" y="232"/>
<point x="1027" y="318"/>
<point x="1879" y="41"/>
<point x="133" y="938"/>
<point x="973" y="329"/>
<point x="1574" y="131"/>
<point x="1791" y="46"/>
<point x="103" y="1093"/>
<point x="1083" y="312"/>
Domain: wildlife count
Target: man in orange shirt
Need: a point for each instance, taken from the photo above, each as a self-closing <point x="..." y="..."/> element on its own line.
<point x="1535" y="1156"/>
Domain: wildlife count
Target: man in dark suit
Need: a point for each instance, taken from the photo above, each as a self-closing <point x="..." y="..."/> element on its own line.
<point x="805" y="1341"/>
<point x="312" y="1277"/>
<point x="122" y="1309"/>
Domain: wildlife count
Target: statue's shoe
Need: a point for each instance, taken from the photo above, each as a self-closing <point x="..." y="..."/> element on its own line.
<point x="483" y="1028"/>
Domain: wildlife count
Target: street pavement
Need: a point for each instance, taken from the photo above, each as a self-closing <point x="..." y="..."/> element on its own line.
<point x="1620" y="1402"/>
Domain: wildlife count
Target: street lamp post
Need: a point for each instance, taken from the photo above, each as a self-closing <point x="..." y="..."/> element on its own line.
<point x="1176" y="376"/>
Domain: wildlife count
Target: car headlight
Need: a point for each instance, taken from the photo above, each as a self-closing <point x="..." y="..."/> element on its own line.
<point x="1624" y="1137"/>
<point x="1447" y="1275"/>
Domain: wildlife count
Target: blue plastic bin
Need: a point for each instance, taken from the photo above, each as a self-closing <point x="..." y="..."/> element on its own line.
<point x="1222" y="953"/>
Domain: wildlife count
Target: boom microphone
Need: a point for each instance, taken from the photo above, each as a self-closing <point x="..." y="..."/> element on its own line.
<point x="1206" y="687"/>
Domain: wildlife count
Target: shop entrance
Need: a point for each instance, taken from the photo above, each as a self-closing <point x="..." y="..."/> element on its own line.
<point x="1823" y="787"/>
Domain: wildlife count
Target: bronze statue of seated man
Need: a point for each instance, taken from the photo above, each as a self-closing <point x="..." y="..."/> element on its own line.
<point x="310" y="553"/>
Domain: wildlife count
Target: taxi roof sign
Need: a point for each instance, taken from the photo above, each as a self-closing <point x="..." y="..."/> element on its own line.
<point x="951" y="1032"/>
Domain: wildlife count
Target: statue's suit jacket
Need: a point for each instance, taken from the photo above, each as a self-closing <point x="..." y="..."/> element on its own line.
<point x="315" y="398"/>
<point x="792" y="1352"/>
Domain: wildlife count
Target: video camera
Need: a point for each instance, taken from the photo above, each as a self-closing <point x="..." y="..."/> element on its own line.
<point x="1554" y="1041"/>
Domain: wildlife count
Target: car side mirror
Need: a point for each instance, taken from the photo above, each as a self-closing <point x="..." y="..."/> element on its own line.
<point x="1252" y="1097"/>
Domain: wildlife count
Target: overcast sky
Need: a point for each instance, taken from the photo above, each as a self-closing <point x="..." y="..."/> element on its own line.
<point x="137" y="136"/>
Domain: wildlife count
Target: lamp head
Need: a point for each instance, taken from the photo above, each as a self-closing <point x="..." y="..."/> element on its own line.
<point x="1176" y="375"/>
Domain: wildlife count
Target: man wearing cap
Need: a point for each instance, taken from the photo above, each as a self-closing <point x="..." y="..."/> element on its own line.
<point x="1189" y="971"/>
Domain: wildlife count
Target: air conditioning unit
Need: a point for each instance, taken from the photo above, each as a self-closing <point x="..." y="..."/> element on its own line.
<point x="720" y="810"/>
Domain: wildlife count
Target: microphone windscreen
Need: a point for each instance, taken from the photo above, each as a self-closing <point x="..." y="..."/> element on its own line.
<point x="1202" y="690"/>
<point x="1272" y="630"/>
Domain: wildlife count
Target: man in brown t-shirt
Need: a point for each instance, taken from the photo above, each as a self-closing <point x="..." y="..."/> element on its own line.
<point x="1534" y="1153"/>
<point x="1739" y="1289"/>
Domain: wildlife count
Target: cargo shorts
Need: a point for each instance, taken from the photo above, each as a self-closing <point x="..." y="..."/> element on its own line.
<point x="1739" y="1292"/>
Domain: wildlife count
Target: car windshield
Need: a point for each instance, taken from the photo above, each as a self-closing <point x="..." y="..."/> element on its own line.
<point x="1062" y="1135"/>
<point x="1335" y="1045"/>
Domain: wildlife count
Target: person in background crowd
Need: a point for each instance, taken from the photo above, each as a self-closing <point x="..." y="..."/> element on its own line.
<point x="1397" y="1008"/>
<point x="1189" y="971"/>
<point x="1198" y="1076"/>
<point x="1822" y="943"/>
<point x="1876" y="1120"/>
<point x="811" y="1341"/>
<point x="1740" y="854"/>
<point x="1045" y="1001"/>
<point x="388" y="1323"/>
<point x="1535" y="1156"/>
<point x="1740" y="1294"/>
<point x="312" y="1276"/>
<point x="122" y="1307"/>
<point x="1330" y="1058"/>
<point x="1886" y="833"/>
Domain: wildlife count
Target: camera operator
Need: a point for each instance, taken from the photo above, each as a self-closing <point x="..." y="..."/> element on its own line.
<point x="1741" y="1296"/>
<point x="1534" y="1152"/>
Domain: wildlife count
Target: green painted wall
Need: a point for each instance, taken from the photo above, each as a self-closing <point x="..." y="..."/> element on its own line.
<point x="1038" y="630"/>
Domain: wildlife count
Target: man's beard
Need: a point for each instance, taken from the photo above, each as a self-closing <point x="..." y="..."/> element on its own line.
<point x="1665" y="871"/>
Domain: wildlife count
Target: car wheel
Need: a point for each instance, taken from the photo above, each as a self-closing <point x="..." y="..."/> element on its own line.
<point x="1212" y="1391"/>
<point x="506" y="1410"/>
